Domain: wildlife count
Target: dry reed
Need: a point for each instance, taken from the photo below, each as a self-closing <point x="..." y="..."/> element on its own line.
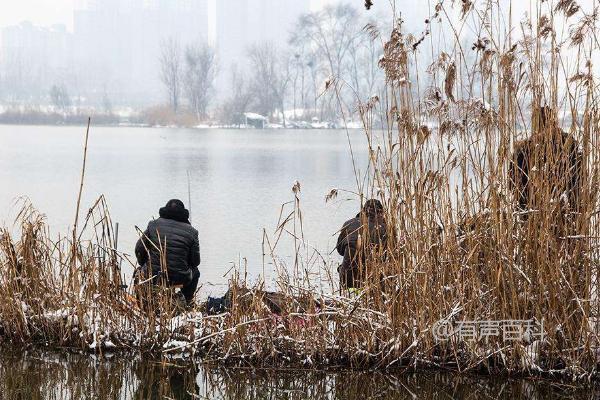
<point x="462" y="247"/>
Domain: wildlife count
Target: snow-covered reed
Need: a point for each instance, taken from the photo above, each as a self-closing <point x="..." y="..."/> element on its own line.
<point x="463" y="244"/>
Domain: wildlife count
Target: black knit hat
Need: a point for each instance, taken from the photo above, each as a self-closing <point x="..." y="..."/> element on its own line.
<point x="175" y="210"/>
<point x="373" y="206"/>
<point x="175" y="203"/>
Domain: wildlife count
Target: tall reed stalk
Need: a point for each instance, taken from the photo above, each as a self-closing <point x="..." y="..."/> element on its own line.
<point x="443" y="145"/>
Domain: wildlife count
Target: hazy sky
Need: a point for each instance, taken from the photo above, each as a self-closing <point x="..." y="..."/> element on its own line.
<point x="42" y="12"/>
<point x="48" y="12"/>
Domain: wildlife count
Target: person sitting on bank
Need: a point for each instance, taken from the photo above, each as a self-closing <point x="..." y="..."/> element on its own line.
<point x="174" y="234"/>
<point x="547" y="167"/>
<point x="362" y="234"/>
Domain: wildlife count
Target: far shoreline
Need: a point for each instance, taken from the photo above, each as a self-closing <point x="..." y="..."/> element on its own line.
<point x="203" y="127"/>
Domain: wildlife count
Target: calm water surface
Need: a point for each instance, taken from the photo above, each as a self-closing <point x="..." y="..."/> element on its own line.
<point x="40" y="375"/>
<point x="239" y="180"/>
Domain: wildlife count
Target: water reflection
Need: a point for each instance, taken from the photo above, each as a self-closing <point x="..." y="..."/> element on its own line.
<point x="35" y="374"/>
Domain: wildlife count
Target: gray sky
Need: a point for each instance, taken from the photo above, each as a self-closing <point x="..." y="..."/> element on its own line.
<point x="41" y="12"/>
<point x="49" y="12"/>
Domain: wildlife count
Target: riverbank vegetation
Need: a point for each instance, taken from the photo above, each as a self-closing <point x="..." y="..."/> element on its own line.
<point x="35" y="116"/>
<point x="465" y="249"/>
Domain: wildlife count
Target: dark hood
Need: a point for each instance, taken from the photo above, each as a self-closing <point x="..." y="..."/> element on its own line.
<point x="176" y="211"/>
<point x="372" y="209"/>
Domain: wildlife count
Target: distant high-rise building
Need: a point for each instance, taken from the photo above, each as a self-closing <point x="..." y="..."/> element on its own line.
<point x="117" y="42"/>
<point x="32" y="59"/>
<point x="115" y="46"/>
<point x="242" y="23"/>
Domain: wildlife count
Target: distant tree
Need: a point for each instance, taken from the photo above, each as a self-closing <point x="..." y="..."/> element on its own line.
<point x="171" y="70"/>
<point x="60" y="97"/>
<point x="333" y="31"/>
<point x="106" y="103"/>
<point x="200" y="74"/>
<point x="300" y="68"/>
<point x="328" y="37"/>
<point x="313" y="68"/>
<point x="362" y="67"/>
<point x="298" y="74"/>
<point x="307" y="72"/>
<point x="270" y="77"/>
<point x="233" y="109"/>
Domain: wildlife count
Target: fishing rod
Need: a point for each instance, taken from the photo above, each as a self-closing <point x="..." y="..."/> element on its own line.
<point x="189" y="195"/>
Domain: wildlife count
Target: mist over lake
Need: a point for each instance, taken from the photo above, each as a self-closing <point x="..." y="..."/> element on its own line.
<point x="239" y="180"/>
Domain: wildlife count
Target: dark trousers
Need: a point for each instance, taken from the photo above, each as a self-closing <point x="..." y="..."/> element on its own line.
<point x="189" y="285"/>
<point x="349" y="272"/>
<point x="189" y="281"/>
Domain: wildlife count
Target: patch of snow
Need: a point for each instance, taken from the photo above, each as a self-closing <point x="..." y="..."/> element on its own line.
<point x="173" y="344"/>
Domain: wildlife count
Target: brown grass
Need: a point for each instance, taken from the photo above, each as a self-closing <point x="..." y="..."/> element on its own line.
<point x="463" y="248"/>
<point x="164" y="116"/>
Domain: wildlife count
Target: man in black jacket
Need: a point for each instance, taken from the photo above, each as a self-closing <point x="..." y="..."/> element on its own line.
<point x="169" y="249"/>
<point x="547" y="167"/>
<point x="363" y="233"/>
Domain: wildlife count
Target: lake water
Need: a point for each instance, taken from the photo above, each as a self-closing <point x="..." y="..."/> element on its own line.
<point x="239" y="179"/>
<point x="37" y="375"/>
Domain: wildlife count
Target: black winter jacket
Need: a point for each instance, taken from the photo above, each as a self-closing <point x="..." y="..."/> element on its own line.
<point x="182" y="247"/>
<point x="352" y="229"/>
<point x="348" y="246"/>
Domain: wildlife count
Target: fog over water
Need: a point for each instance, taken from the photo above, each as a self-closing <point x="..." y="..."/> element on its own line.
<point x="108" y="51"/>
<point x="106" y="54"/>
<point x="228" y="105"/>
<point x="239" y="180"/>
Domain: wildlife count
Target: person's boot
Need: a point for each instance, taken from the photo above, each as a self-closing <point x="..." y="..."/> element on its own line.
<point x="179" y="302"/>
